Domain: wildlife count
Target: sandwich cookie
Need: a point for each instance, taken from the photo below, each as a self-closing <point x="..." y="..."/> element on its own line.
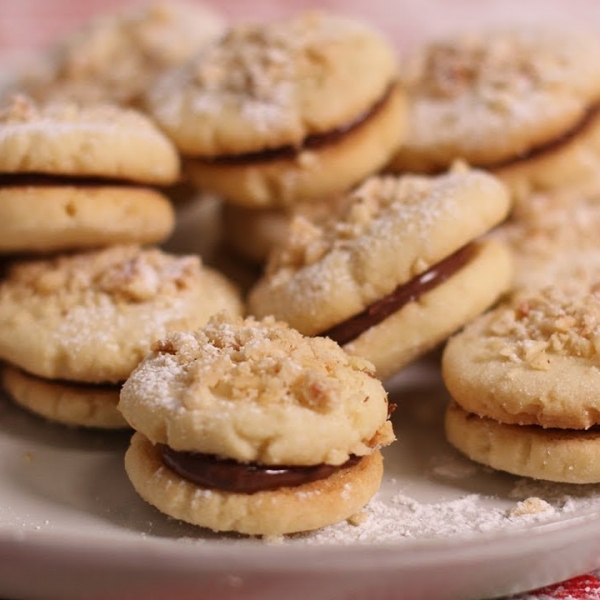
<point x="524" y="380"/>
<point x="287" y="111"/>
<point x="398" y="271"/>
<point x="89" y="318"/>
<point x="116" y="56"/>
<point x="76" y="178"/>
<point x="522" y="103"/>
<point x="249" y="426"/>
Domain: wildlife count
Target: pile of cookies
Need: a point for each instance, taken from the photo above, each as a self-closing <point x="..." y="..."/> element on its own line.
<point x="90" y="290"/>
<point x="522" y="104"/>
<point x="391" y="203"/>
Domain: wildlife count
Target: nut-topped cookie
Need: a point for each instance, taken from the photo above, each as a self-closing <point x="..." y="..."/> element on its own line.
<point x="284" y="111"/>
<point x="521" y="102"/>
<point x="525" y="383"/>
<point x="116" y="56"/>
<point x="249" y="426"/>
<point x="91" y="317"/>
<point x="397" y="271"/>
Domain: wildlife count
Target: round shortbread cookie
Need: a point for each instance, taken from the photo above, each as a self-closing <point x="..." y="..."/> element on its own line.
<point x="285" y="111"/>
<point x="531" y="361"/>
<point x="564" y="456"/>
<point x="510" y="100"/>
<point x="394" y="232"/>
<point x="63" y="402"/>
<point x="257" y="391"/>
<point x="51" y="218"/>
<point x="553" y="237"/>
<point x="273" y="512"/>
<point x="115" y="57"/>
<point x="420" y="326"/>
<point x="91" y="317"/>
<point x="63" y="139"/>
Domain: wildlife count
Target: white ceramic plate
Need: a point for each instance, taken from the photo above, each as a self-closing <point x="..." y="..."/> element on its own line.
<point x="72" y="527"/>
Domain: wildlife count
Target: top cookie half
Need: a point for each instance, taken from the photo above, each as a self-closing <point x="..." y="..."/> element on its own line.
<point x="65" y="139"/>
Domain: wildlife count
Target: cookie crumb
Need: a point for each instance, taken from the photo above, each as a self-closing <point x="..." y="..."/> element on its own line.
<point x="357" y="518"/>
<point x="530" y="506"/>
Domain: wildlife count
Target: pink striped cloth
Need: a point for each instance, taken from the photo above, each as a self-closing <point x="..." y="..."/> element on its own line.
<point x="585" y="587"/>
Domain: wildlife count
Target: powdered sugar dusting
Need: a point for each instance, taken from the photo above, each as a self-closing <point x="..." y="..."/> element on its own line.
<point x="403" y="518"/>
<point x="501" y="84"/>
<point x="259" y="86"/>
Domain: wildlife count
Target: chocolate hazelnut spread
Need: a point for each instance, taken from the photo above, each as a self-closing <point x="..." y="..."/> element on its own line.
<point x="229" y="475"/>
<point x="407" y="292"/>
<point x="41" y="179"/>
<point x="312" y="142"/>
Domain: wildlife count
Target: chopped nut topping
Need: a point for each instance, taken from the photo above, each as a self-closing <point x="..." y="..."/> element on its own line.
<point x="258" y="360"/>
<point x="309" y="241"/>
<point x="125" y="273"/>
<point x="492" y="66"/>
<point x="553" y="321"/>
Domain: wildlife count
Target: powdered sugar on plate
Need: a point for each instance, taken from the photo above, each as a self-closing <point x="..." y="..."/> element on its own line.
<point x="403" y="518"/>
<point x="431" y="492"/>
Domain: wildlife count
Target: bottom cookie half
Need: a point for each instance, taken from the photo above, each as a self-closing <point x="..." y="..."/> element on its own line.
<point x="274" y="512"/>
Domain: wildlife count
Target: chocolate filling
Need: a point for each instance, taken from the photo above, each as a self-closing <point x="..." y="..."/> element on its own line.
<point x="315" y="141"/>
<point x="229" y="475"/>
<point x="40" y="179"/>
<point x="551" y="145"/>
<point x="408" y="292"/>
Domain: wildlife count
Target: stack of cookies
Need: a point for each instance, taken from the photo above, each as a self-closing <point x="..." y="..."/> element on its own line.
<point x="78" y="186"/>
<point x="290" y="122"/>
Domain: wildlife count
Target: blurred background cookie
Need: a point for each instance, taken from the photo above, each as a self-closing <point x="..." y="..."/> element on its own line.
<point x="284" y="111"/>
<point x="553" y="238"/>
<point x="520" y="101"/>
